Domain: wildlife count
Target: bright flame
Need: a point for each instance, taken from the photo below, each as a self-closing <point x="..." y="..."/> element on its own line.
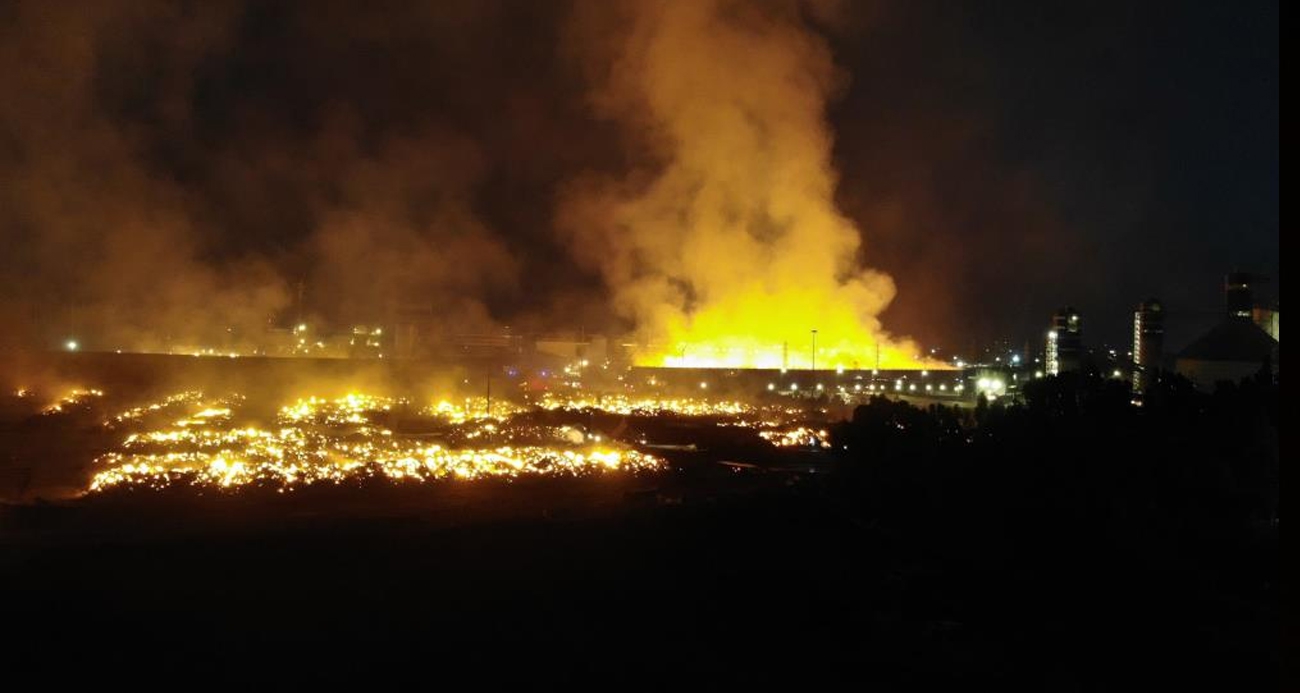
<point x="73" y="398"/>
<point x="733" y="252"/>
<point x="337" y="440"/>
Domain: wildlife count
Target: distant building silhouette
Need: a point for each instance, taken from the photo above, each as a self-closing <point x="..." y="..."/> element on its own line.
<point x="1237" y="347"/>
<point x="1239" y="294"/>
<point x="1268" y="320"/>
<point x="1242" y="301"/>
<point x="1148" y="341"/>
<point x="1064" y="342"/>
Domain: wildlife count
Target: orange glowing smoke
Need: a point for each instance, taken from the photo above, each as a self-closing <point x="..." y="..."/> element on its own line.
<point x="732" y="251"/>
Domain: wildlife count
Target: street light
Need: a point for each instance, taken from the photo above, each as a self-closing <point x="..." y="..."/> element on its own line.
<point x="814" y="350"/>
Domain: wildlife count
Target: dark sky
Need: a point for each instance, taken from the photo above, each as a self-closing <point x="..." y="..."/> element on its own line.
<point x="1084" y="153"/>
<point x="1000" y="159"/>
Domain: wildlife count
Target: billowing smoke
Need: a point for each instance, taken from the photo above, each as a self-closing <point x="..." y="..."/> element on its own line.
<point x="401" y="234"/>
<point x="179" y="175"/>
<point x="96" y="243"/>
<point x="728" y="250"/>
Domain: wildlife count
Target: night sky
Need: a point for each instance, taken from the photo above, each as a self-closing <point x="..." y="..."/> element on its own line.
<point x="1000" y="160"/>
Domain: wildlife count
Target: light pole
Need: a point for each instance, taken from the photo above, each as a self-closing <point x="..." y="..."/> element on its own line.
<point x="814" y="352"/>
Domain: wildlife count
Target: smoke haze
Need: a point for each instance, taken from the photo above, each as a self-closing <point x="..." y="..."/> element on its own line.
<point x="734" y="247"/>
<point x="177" y="173"/>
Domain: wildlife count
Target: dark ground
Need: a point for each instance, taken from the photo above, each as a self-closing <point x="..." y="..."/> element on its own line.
<point x="771" y="583"/>
<point x="1071" y="543"/>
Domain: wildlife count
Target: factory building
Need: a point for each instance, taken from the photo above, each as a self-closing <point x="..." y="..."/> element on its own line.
<point x="1148" y="342"/>
<point x="1268" y="319"/>
<point x="582" y="347"/>
<point x="1064" y="342"/>
<point x="1235" y="348"/>
<point x="1239" y="294"/>
<point x="1242" y="301"/>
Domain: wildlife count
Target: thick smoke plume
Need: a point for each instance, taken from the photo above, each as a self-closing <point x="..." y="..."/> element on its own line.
<point x="177" y="173"/>
<point x="181" y="175"/>
<point x="730" y="250"/>
<point x="96" y="242"/>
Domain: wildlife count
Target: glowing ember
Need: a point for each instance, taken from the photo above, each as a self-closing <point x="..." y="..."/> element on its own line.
<point x="801" y="436"/>
<point x="649" y="406"/>
<point x="318" y="440"/>
<point x="286" y="460"/>
<point x="71" y="399"/>
<point x="351" y="409"/>
<point x="168" y="402"/>
<point x="473" y="408"/>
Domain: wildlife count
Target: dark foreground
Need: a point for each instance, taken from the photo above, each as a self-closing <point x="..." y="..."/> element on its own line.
<point x="777" y="581"/>
<point x="1072" y="542"/>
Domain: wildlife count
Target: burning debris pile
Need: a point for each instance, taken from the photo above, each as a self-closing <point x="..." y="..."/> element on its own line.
<point x="645" y="406"/>
<point x="340" y="440"/>
<point x="69" y="401"/>
<point x="191" y="439"/>
<point x="797" y="436"/>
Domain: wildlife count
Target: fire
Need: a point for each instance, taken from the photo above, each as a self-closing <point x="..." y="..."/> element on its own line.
<point x="733" y="251"/>
<point x="767" y="343"/>
<point x="192" y="439"/>
<point x="72" y="399"/>
<point x="339" y="440"/>
<point x="800" y="436"/>
<point x="648" y="406"/>
<point x="283" y="460"/>
<point x="136" y="413"/>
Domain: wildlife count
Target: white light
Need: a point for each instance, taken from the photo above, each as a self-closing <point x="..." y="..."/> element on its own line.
<point x="839" y="370"/>
<point x="1015" y="359"/>
<point x="704" y="386"/>
<point x="770" y="387"/>
<point x="72" y="345"/>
